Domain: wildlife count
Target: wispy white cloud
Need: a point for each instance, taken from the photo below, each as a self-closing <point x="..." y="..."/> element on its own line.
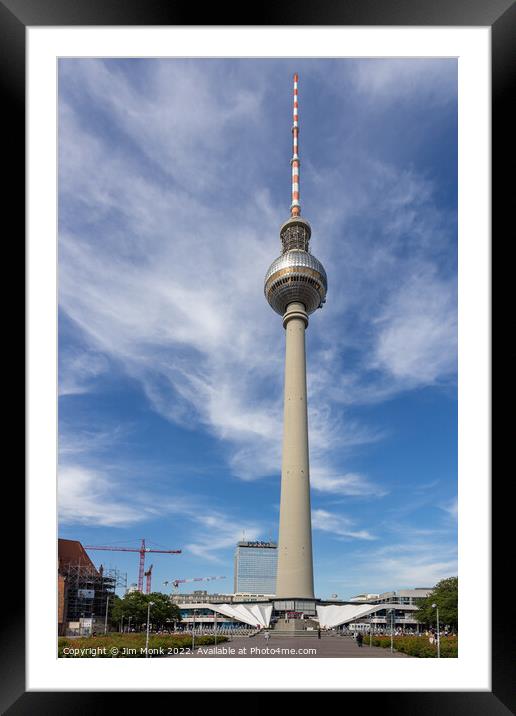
<point x="422" y="563"/>
<point x="87" y="497"/>
<point x="399" y="565"/>
<point x="96" y="490"/>
<point x="73" y="443"/>
<point x="395" y="80"/>
<point x="326" y="480"/>
<point x="451" y="508"/>
<point x="217" y="532"/>
<point x="417" y="337"/>
<point x="338" y="525"/>
<point x="79" y="369"/>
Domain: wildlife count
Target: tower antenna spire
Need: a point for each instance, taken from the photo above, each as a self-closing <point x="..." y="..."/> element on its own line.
<point x="295" y="207"/>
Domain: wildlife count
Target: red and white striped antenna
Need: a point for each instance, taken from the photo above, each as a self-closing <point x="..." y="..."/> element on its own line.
<point x="295" y="207"/>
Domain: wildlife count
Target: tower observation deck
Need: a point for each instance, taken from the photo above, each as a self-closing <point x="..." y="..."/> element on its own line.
<point x="295" y="286"/>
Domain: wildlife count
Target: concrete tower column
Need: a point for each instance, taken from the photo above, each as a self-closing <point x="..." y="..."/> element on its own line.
<point x="295" y="564"/>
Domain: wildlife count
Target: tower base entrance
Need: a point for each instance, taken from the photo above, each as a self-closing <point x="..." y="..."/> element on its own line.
<point x="296" y="625"/>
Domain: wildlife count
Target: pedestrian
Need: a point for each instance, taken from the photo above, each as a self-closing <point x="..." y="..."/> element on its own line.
<point x="267" y="636"/>
<point x="360" y="639"/>
<point x="319" y="632"/>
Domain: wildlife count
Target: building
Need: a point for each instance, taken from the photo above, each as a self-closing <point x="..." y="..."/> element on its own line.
<point x="202" y="595"/>
<point x="225" y="611"/>
<point x="295" y="286"/>
<point x="364" y="597"/>
<point x="61" y="603"/>
<point x="255" y="568"/>
<point x="84" y="592"/>
<point x="401" y="596"/>
<point x="378" y="612"/>
<point x="204" y="610"/>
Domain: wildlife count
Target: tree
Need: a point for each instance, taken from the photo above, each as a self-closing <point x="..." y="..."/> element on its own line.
<point x="445" y="595"/>
<point x="135" y="604"/>
<point x="163" y="611"/>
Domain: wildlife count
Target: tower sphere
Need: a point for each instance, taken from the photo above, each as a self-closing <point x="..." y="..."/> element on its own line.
<point x="296" y="276"/>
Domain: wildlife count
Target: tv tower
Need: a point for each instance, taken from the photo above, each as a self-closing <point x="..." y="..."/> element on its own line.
<point x="295" y="286"/>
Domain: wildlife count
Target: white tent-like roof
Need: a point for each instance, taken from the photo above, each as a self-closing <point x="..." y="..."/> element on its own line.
<point x="335" y="614"/>
<point x="252" y="614"/>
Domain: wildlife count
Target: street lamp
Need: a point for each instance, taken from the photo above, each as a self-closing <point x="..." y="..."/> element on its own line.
<point x="193" y="630"/>
<point x="150" y="604"/>
<point x="392" y="628"/>
<point x="434" y="606"/>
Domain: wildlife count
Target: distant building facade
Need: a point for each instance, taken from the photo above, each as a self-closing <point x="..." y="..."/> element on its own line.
<point x="375" y="612"/>
<point x="402" y="596"/>
<point x="202" y="596"/>
<point x="255" y="568"/>
<point x="399" y="610"/>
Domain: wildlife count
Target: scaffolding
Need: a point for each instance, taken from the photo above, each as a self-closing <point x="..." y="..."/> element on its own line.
<point x="88" y="595"/>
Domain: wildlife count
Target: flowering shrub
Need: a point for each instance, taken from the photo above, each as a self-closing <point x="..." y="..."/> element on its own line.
<point x="417" y="645"/>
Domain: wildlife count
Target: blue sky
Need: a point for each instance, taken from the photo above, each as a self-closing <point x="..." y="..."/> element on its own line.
<point x="174" y="177"/>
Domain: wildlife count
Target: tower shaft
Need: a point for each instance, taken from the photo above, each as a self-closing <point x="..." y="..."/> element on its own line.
<point x="295" y="564"/>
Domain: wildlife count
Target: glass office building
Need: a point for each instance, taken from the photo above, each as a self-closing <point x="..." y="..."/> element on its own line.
<point x="255" y="567"/>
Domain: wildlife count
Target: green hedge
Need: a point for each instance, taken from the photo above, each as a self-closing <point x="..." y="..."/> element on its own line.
<point x="417" y="645"/>
<point x="111" y="645"/>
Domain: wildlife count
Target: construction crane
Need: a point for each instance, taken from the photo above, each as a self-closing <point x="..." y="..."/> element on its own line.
<point x="142" y="551"/>
<point x="176" y="582"/>
<point x="148" y="574"/>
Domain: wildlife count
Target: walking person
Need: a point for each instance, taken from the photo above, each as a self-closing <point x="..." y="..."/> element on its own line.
<point x="360" y="638"/>
<point x="267" y="636"/>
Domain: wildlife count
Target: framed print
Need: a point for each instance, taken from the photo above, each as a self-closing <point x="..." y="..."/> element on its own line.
<point x="159" y="383"/>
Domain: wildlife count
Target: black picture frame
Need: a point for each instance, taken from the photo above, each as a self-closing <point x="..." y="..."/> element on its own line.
<point x="500" y="16"/>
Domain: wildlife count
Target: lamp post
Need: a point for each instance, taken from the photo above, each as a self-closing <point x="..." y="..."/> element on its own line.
<point x="434" y="606"/>
<point x="392" y="629"/>
<point x="150" y="604"/>
<point x="193" y="631"/>
<point x="370" y="630"/>
<point x="215" y="626"/>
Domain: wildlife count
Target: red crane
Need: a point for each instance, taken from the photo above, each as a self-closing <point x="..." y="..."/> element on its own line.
<point x="142" y="550"/>
<point x="148" y="574"/>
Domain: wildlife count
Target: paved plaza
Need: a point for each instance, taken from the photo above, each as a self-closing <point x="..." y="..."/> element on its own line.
<point x="292" y="647"/>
